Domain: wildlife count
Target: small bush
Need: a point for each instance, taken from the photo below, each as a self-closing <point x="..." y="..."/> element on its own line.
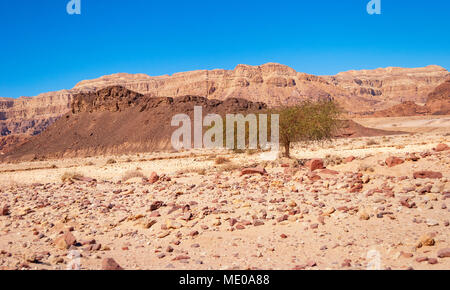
<point x="67" y="176"/>
<point x="111" y="161"/>
<point x="221" y="160"/>
<point x="230" y="167"/>
<point x="371" y="143"/>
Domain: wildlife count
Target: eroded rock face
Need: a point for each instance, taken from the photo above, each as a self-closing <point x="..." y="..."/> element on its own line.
<point x="439" y="100"/>
<point x="391" y="86"/>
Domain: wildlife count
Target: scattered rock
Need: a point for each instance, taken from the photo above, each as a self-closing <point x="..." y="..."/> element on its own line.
<point x="4" y="210"/>
<point x="110" y="264"/>
<point x="65" y="241"/>
<point x="444" y="253"/>
<point x="441" y="147"/>
<point x="154" y="177"/>
<point x="394" y="161"/>
<point x="314" y="164"/>
<point x="256" y="170"/>
<point x="427" y="174"/>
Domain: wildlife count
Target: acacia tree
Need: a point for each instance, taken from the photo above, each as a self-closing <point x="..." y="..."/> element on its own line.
<point x="307" y="122"/>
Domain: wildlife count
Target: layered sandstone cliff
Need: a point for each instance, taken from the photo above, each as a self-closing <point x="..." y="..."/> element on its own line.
<point x="393" y="85"/>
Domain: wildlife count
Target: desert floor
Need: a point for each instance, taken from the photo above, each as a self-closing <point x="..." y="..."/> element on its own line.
<point x="203" y="214"/>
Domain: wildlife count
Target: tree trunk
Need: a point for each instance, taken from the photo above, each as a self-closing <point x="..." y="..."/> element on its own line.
<point x="287" y="146"/>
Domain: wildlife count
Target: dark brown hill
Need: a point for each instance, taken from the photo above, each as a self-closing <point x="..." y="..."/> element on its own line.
<point x="117" y="121"/>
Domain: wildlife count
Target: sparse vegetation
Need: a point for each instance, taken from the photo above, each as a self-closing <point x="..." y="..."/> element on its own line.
<point x="68" y="176"/>
<point x="230" y="167"/>
<point x="371" y="142"/>
<point x="366" y="168"/>
<point x="307" y="122"/>
<point x="111" y="161"/>
<point x="221" y="160"/>
<point x="132" y="174"/>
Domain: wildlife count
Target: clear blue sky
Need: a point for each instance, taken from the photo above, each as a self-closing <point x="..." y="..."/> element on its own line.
<point x="43" y="48"/>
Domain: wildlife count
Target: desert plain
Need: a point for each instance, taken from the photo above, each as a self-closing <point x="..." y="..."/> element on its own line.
<point x="353" y="203"/>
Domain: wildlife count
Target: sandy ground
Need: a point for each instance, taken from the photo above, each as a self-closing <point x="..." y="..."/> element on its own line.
<point x="203" y="215"/>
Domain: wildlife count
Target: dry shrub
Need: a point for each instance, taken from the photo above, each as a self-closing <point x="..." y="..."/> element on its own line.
<point x="365" y="168"/>
<point x="371" y="142"/>
<point x="131" y="174"/>
<point x="221" y="160"/>
<point x="111" y="161"/>
<point x="67" y="176"/>
<point x="331" y="160"/>
<point x="230" y="167"/>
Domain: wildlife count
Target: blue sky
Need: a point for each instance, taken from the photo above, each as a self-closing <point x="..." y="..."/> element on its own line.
<point x="44" y="49"/>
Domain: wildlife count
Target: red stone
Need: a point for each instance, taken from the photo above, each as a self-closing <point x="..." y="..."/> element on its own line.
<point x="315" y="164"/>
<point x="329" y="171"/>
<point x="110" y="265"/>
<point x="441" y="147"/>
<point x="427" y="174"/>
<point x="256" y="170"/>
<point x="153" y="178"/>
<point x="393" y="161"/>
<point x="349" y="159"/>
<point x="444" y="253"/>
<point x="4" y="210"/>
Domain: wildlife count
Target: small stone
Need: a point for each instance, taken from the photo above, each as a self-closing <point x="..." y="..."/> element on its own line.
<point x="364" y="216"/>
<point x="258" y="223"/>
<point x="427" y="174"/>
<point x="110" y="264"/>
<point x="432" y="223"/>
<point x="426" y="240"/>
<point x="65" y="241"/>
<point x="441" y="147"/>
<point x="154" y="177"/>
<point x="315" y="164"/>
<point x="256" y="170"/>
<point x="394" y="161"/>
<point x="444" y="253"/>
<point x="4" y="210"/>
<point x="311" y="264"/>
<point x="432" y="261"/>
<point x="421" y="259"/>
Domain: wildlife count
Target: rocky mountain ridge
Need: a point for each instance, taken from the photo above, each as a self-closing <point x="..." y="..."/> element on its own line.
<point x="274" y="84"/>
